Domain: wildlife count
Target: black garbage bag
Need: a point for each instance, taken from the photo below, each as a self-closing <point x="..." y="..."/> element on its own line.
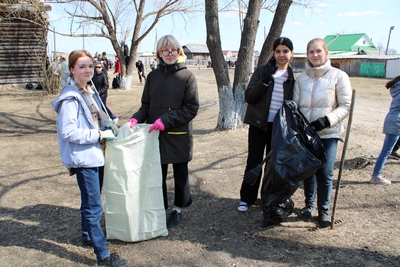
<point x="296" y="154"/>
<point x="115" y="82"/>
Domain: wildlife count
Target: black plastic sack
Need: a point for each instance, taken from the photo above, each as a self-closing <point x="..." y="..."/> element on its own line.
<point x="296" y="154"/>
<point x="115" y="82"/>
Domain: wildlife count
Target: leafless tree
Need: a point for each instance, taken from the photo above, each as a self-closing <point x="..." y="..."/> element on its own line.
<point x="124" y="18"/>
<point x="392" y="51"/>
<point x="231" y="98"/>
<point x="380" y="48"/>
<point x="275" y="30"/>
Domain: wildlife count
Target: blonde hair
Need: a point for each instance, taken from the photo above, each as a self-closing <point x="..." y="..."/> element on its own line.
<point x="315" y="40"/>
<point x="169" y="40"/>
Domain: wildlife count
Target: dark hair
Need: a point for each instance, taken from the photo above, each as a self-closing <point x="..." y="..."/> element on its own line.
<point x="390" y="83"/>
<point x="283" y="41"/>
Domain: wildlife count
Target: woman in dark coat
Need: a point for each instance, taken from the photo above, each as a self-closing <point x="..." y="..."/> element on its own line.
<point x="100" y="81"/>
<point x="170" y="102"/>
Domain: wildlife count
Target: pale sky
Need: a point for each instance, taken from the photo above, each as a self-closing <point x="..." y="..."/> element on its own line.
<point x="326" y="17"/>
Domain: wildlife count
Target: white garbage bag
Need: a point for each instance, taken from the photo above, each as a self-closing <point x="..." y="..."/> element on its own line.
<point x="133" y="198"/>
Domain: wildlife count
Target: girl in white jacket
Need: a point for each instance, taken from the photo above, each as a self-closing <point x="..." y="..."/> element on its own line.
<point x="323" y="94"/>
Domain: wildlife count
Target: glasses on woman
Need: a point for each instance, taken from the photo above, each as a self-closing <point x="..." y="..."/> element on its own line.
<point x="173" y="52"/>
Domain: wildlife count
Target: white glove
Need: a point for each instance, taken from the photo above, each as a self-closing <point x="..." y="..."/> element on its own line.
<point x="107" y="135"/>
<point x="112" y="126"/>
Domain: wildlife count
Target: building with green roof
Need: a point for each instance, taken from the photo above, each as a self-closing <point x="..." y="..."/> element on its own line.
<point x="343" y="43"/>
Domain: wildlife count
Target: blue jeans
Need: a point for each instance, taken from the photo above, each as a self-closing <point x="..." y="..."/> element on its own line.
<point x="320" y="184"/>
<point x="388" y="144"/>
<point x="92" y="210"/>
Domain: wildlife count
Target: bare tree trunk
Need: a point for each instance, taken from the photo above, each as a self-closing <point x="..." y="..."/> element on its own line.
<point x="275" y="31"/>
<point x="231" y="99"/>
<point x="111" y="19"/>
<point x="245" y="57"/>
<point x="220" y="68"/>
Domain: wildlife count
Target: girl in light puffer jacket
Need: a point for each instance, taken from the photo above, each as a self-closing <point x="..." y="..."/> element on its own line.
<point x="323" y="94"/>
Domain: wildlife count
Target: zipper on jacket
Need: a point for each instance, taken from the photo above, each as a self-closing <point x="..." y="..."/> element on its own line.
<point x="312" y="96"/>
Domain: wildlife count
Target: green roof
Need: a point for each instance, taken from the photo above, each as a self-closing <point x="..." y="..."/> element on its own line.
<point x="347" y="42"/>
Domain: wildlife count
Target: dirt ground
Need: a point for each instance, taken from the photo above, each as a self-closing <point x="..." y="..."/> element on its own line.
<point x="39" y="202"/>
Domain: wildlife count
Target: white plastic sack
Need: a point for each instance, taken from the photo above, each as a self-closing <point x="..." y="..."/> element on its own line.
<point x="134" y="205"/>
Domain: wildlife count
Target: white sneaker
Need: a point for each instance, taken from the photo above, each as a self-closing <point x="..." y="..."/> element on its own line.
<point x="115" y="121"/>
<point x="242" y="206"/>
<point x="379" y="180"/>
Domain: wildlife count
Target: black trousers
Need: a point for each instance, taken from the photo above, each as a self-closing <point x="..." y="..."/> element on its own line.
<point x="141" y="74"/>
<point x="183" y="197"/>
<point x="259" y="145"/>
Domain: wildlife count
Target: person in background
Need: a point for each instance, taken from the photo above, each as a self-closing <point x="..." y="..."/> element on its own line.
<point x="153" y="64"/>
<point x="391" y="129"/>
<point x="117" y="69"/>
<point x="140" y="70"/>
<point x="126" y="54"/>
<point x="80" y="132"/>
<point x="269" y="86"/>
<point x="170" y="102"/>
<point x="323" y="94"/>
<point x="100" y="81"/>
<point x="64" y="72"/>
<point x="104" y="59"/>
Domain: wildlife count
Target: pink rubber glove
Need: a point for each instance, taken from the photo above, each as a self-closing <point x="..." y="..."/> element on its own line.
<point x="132" y="122"/>
<point x="157" y="125"/>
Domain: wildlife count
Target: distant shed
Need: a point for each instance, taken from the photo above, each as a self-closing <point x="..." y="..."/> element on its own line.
<point x="23" y="41"/>
<point x="196" y="51"/>
<point x="358" y="64"/>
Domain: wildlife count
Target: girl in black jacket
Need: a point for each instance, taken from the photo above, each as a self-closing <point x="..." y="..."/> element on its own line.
<point x="269" y="86"/>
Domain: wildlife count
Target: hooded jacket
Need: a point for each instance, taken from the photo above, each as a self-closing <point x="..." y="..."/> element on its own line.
<point x="258" y="95"/>
<point x="392" y="120"/>
<point x="78" y="138"/>
<point x="324" y="91"/>
<point x="170" y="93"/>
